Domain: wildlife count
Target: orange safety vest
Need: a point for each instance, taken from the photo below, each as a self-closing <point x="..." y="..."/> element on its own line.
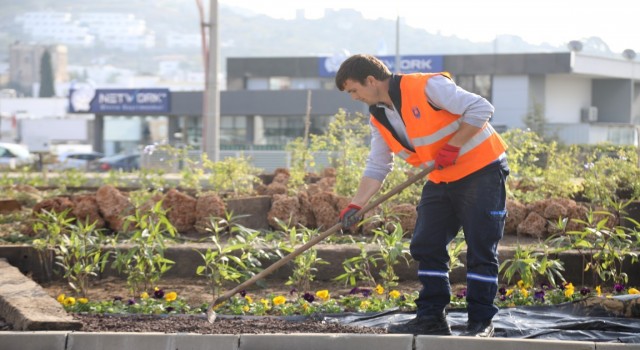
<point x="429" y="129"/>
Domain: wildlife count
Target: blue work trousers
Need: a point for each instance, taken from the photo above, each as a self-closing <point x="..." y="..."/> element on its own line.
<point x="477" y="204"/>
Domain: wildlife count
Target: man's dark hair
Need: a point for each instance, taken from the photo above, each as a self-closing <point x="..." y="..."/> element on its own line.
<point x="358" y="68"/>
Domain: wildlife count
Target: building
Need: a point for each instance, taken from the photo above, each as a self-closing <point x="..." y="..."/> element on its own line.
<point x="25" y="60"/>
<point x="582" y="99"/>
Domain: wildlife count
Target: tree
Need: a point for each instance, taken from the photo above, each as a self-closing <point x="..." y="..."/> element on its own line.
<point x="46" y="76"/>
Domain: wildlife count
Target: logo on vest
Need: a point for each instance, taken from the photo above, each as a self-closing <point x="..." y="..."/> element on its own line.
<point x="416" y="112"/>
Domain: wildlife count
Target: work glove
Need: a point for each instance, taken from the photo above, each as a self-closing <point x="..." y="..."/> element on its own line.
<point x="348" y="215"/>
<point x="446" y="156"/>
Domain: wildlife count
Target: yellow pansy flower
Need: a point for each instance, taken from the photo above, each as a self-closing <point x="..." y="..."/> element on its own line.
<point x="61" y="298"/>
<point x="568" y="292"/>
<point x="599" y="291"/>
<point x="248" y="299"/>
<point x="509" y="292"/>
<point x="69" y="301"/>
<point x="246" y="308"/>
<point x="524" y="292"/>
<point x="265" y="302"/>
<point x="171" y="296"/>
<point x="522" y="285"/>
<point x="394" y="294"/>
<point x="83" y="300"/>
<point x="144" y="295"/>
<point x="634" y="291"/>
<point x="323" y="294"/>
<point x="364" y="304"/>
<point x="379" y="289"/>
<point x="305" y="306"/>
<point x="279" y="300"/>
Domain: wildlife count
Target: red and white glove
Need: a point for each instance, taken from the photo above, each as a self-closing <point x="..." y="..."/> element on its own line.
<point x="348" y="215"/>
<point x="446" y="156"/>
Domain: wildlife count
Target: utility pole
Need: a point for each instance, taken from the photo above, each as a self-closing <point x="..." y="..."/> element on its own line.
<point x="397" y="64"/>
<point x="211" y="115"/>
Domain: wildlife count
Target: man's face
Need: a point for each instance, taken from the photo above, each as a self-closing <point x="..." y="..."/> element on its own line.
<point x="366" y="93"/>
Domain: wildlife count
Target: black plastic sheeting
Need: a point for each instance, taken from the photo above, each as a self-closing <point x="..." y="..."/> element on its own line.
<point x="569" y="321"/>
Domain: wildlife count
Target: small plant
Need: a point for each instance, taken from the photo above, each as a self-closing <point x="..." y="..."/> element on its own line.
<point x="69" y="178"/>
<point x="237" y="258"/>
<point x="603" y="248"/>
<point x="144" y="262"/>
<point x="345" y="140"/>
<point x="392" y="248"/>
<point x="233" y="174"/>
<point x="358" y="269"/>
<point x="529" y="264"/>
<point x="304" y="265"/>
<point x="455" y="249"/>
<point x="80" y="254"/>
<point x="49" y="225"/>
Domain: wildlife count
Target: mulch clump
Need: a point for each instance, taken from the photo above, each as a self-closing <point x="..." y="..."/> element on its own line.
<point x="193" y="324"/>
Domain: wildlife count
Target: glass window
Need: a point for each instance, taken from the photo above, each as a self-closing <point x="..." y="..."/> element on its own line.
<point x="279" y="83"/>
<point x="478" y="84"/>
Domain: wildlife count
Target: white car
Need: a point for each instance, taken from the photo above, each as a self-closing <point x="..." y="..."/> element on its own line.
<point x="75" y="160"/>
<point x="14" y="155"/>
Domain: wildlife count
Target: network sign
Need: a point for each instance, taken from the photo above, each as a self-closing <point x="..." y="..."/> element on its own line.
<point x="328" y="66"/>
<point x="84" y="99"/>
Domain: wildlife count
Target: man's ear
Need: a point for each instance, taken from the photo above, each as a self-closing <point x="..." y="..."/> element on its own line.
<point x="371" y="80"/>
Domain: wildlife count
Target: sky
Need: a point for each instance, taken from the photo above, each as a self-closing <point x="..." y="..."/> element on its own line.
<point x="552" y="21"/>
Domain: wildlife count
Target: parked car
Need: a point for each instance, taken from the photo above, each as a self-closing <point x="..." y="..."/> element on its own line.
<point x="75" y="160"/>
<point x="13" y="155"/>
<point x="124" y="162"/>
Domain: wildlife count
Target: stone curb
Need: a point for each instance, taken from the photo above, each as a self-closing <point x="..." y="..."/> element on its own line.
<point x="27" y="306"/>
<point x="26" y="259"/>
<point x="154" y="341"/>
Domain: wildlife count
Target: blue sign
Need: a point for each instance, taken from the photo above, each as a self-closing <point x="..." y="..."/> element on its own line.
<point x="328" y="66"/>
<point x="85" y="99"/>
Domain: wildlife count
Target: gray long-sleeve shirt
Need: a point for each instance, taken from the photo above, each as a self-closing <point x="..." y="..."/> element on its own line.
<point x="442" y="93"/>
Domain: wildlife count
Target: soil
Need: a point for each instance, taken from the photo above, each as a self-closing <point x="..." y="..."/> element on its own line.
<point x="195" y="324"/>
<point x="195" y="292"/>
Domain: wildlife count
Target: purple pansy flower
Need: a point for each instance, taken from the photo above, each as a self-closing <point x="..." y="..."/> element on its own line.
<point x="308" y="297"/>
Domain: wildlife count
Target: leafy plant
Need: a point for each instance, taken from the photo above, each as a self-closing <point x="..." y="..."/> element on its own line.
<point x="81" y="255"/>
<point x="237" y="258"/>
<point x="391" y="249"/>
<point x="529" y="264"/>
<point x="358" y="268"/>
<point x="304" y="265"/>
<point x="455" y="249"/>
<point x="49" y="226"/>
<point x="144" y="261"/>
<point x="603" y="248"/>
<point x="345" y="140"/>
<point x="233" y="174"/>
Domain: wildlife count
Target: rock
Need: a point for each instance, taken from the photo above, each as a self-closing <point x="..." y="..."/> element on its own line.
<point x="208" y="205"/>
<point x="286" y="209"/>
<point x="555" y="210"/>
<point x="516" y="213"/>
<point x="325" y="210"/>
<point x="275" y="188"/>
<point x="86" y="210"/>
<point x="114" y="207"/>
<point x="54" y="205"/>
<point x="307" y="218"/>
<point x="534" y="225"/>
<point x="406" y="216"/>
<point x="181" y="210"/>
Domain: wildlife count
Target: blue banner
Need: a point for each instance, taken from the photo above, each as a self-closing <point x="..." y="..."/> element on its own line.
<point x="84" y="99"/>
<point x="328" y="66"/>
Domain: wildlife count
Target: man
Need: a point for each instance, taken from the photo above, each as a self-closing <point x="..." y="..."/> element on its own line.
<point x="426" y="119"/>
